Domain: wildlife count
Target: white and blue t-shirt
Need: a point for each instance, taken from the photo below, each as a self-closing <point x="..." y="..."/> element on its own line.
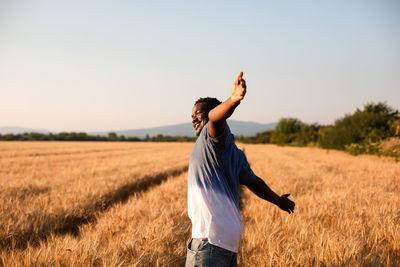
<point x="216" y="168"/>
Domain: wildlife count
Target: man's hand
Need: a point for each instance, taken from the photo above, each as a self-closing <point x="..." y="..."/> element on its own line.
<point x="218" y="115"/>
<point x="238" y="89"/>
<point x="286" y="204"/>
<point x="262" y="190"/>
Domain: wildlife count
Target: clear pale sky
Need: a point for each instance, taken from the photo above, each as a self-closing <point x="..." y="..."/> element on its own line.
<point x="111" y="65"/>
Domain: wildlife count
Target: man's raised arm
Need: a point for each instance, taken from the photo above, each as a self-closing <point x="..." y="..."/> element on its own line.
<point x="218" y="116"/>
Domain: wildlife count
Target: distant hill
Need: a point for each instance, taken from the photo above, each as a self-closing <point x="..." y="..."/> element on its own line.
<point x="244" y="128"/>
<point x="20" y="130"/>
<point x="186" y="129"/>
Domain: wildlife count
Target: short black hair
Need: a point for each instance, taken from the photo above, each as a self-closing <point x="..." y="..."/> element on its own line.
<point x="211" y="102"/>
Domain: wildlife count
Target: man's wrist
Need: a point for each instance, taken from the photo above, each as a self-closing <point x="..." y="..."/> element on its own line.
<point x="276" y="200"/>
<point x="234" y="102"/>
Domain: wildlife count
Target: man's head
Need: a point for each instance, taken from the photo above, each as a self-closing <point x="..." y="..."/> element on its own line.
<point x="200" y="112"/>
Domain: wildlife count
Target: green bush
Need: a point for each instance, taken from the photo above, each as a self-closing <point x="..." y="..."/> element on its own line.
<point x="369" y="125"/>
<point x="308" y="134"/>
<point x="287" y="131"/>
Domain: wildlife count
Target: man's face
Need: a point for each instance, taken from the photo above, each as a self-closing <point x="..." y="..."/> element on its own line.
<point x="199" y="116"/>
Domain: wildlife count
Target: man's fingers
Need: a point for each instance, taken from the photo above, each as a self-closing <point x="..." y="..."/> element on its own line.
<point x="290" y="210"/>
<point x="239" y="77"/>
<point x="286" y="195"/>
<point x="243" y="83"/>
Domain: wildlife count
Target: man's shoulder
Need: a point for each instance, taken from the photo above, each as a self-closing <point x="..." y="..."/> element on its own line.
<point x="222" y="141"/>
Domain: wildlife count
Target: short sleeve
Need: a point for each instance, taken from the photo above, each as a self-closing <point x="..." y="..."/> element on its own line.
<point x="246" y="174"/>
<point x="221" y="139"/>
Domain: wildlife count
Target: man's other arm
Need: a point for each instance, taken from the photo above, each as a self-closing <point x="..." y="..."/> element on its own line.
<point x="218" y="116"/>
<point x="262" y="190"/>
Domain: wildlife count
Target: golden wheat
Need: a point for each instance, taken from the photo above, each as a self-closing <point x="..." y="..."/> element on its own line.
<point x="45" y="191"/>
<point x="347" y="208"/>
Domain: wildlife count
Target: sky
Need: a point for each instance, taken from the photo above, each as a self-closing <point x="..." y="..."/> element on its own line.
<point x="113" y="65"/>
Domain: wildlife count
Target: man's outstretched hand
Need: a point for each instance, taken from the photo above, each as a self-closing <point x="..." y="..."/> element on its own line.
<point x="286" y="204"/>
<point x="238" y="89"/>
<point x="218" y="115"/>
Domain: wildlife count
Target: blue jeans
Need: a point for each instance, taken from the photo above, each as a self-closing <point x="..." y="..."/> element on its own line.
<point x="202" y="253"/>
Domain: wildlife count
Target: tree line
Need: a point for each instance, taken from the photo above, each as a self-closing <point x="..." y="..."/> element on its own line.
<point x="82" y="136"/>
<point x="375" y="129"/>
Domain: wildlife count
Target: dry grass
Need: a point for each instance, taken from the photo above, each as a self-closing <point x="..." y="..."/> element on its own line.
<point x="150" y="229"/>
<point x="391" y="146"/>
<point x="45" y="191"/>
<point x="347" y="210"/>
<point x="111" y="204"/>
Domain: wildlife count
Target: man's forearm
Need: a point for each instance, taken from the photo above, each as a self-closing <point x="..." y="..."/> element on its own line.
<point x="218" y="116"/>
<point x="223" y="111"/>
<point x="262" y="190"/>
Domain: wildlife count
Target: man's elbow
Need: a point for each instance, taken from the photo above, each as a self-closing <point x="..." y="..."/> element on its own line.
<point x="254" y="185"/>
<point x="212" y="116"/>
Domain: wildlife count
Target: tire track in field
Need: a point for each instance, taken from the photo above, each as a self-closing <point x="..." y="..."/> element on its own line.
<point x="42" y="225"/>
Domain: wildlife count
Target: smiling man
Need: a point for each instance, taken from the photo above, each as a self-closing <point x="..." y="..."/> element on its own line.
<point x="216" y="169"/>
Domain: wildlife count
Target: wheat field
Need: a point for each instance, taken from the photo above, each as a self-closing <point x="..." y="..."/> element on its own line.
<point x="124" y="204"/>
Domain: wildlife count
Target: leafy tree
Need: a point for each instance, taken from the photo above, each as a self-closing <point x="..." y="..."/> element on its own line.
<point x="371" y="124"/>
<point x="264" y="137"/>
<point x="112" y="136"/>
<point x="308" y="134"/>
<point x="286" y="131"/>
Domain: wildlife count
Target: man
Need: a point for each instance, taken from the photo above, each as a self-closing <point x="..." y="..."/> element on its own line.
<point x="216" y="168"/>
